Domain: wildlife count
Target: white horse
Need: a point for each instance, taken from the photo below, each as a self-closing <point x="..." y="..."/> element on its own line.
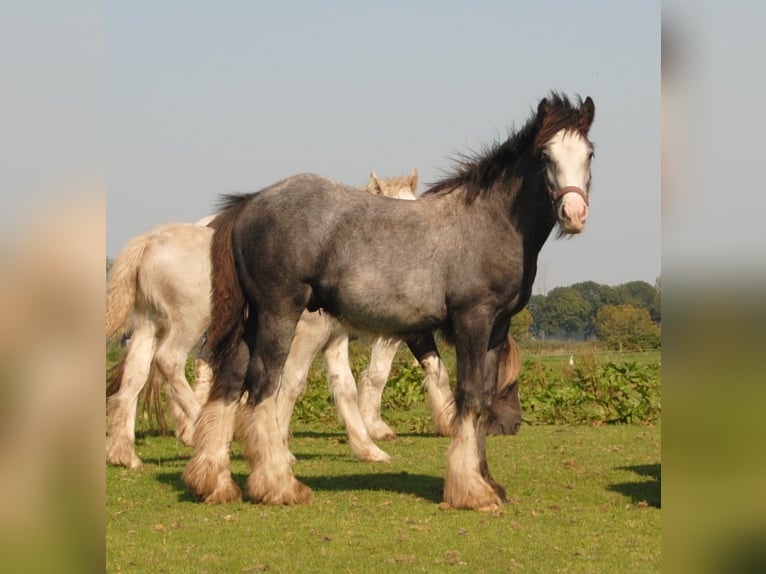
<point x="160" y="286"/>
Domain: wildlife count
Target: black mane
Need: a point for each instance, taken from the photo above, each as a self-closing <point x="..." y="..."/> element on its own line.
<point x="496" y="166"/>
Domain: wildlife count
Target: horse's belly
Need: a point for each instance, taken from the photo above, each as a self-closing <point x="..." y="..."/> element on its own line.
<point x="375" y="303"/>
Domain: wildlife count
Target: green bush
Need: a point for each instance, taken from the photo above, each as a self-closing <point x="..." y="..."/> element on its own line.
<point x="591" y="392"/>
<point x="404" y="389"/>
<point x="607" y="391"/>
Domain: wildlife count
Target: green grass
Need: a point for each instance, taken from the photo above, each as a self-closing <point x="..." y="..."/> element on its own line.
<point x="581" y="499"/>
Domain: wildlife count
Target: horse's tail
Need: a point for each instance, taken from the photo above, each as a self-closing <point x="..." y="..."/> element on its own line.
<point x="114" y="378"/>
<point x="228" y="303"/>
<point x="123" y="284"/>
<point x="151" y="393"/>
<point x="152" y="399"/>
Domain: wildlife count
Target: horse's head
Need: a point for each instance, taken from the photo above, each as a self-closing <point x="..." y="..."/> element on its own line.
<point x="565" y="155"/>
<point x="403" y="187"/>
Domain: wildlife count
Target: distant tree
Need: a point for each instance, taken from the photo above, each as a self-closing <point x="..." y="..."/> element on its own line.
<point x="521" y="325"/>
<point x="640" y="294"/>
<point x="565" y="310"/>
<point x="596" y="296"/>
<point x="536" y="308"/>
<point x="656" y="310"/>
<point x="625" y="327"/>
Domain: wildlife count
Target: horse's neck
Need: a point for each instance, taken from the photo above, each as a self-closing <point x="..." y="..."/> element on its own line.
<point x="531" y="215"/>
<point x="529" y="212"/>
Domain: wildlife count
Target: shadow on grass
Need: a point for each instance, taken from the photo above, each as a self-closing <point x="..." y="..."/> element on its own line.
<point x="647" y="491"/>
<point x="342" y="436"/>
<point x="423" y="486"/>
<point x="173" y="479"/>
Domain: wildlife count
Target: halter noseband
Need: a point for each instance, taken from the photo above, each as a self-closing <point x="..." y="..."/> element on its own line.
<point x="556" y="195"/>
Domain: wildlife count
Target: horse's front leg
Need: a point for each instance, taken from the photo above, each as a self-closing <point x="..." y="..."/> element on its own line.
<point x="468" y="483"/>
<point x="371" y="384"/>
<point x="344" y="392"/>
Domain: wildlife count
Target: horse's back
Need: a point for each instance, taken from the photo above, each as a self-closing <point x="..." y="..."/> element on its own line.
<point x="312" y="231"/>
<point x="284" y="229"/>
<point x="175" y="274"/>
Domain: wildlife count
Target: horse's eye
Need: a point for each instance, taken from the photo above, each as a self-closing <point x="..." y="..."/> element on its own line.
<point x="591" y="156"/>
<point x="545" y="158"/>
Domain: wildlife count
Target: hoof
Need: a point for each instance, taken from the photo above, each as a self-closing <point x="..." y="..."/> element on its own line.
<point x="445" y="420"/>
<point x="210" y="480"/>
<point x="471" y="492"/>
<point x="382" y="431"/>
<point x="483" y="503"/>
<point x="444" y="429"/>
<point x="186" y="435"/>
<point x="227" y="492"/>
<point x="292" y="492"/>
<point x="372" y="454"/>
<point x="122" y="453"/>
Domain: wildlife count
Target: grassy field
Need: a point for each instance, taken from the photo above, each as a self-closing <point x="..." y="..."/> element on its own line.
<point x="582" y="498"/>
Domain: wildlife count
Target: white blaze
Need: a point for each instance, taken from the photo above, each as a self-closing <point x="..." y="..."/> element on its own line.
<point x="570" y="155"/>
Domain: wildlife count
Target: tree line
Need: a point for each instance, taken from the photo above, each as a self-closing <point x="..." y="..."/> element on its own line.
<point x="625" y="317"/>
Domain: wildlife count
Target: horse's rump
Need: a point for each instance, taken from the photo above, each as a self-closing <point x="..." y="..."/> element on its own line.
<point x="121" y="292"/>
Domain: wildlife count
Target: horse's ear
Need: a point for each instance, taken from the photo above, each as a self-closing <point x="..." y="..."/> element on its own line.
<point x="414" y="181"/>
<point x="374" y="186"/>
<point x="587" y="111"/>
<point x="543" y="108"/>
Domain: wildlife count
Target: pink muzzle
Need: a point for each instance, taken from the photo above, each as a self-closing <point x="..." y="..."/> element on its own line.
<point x="573" y="210"/>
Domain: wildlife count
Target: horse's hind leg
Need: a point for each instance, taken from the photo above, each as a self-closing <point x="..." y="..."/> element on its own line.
<point x="371" y="383"/>
<point x="343" y="388"/>
<point x="440" y="395"/>
<point x="436" y="383"/>
<point x="311" y="334"/>
<point x="171" y="358"/>
<point x="271" y="480"/>
<point x="207" y="474"/>
<point x="121" y="406"/>
<point x="203" y="379"/>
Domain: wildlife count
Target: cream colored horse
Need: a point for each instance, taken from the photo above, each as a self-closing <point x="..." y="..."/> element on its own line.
<point x="160" y="286"/>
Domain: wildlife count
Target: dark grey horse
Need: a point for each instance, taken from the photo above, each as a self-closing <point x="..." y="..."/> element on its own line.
<point x="472" y="242"/>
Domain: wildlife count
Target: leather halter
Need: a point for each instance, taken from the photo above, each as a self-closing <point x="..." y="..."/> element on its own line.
<point x="556" y="195"/>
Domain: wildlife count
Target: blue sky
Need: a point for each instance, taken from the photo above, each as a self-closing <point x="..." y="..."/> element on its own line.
<point x="208" y="98"/>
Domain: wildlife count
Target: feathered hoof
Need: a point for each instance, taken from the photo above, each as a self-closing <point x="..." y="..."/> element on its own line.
<point x="472" y="494"/>
<point x="290" y="492"/>
<point x="372" y="454"/>
<point x="483" y="503"/>
<point x="228" y="491"/>
<point x="381" y="431"/>
<point x="209" y="480"/>
<point x="445" y="427"/>
<point x="444" y="421"/>
<point x="185" y="433"/>
<point x="122" y="453"/>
